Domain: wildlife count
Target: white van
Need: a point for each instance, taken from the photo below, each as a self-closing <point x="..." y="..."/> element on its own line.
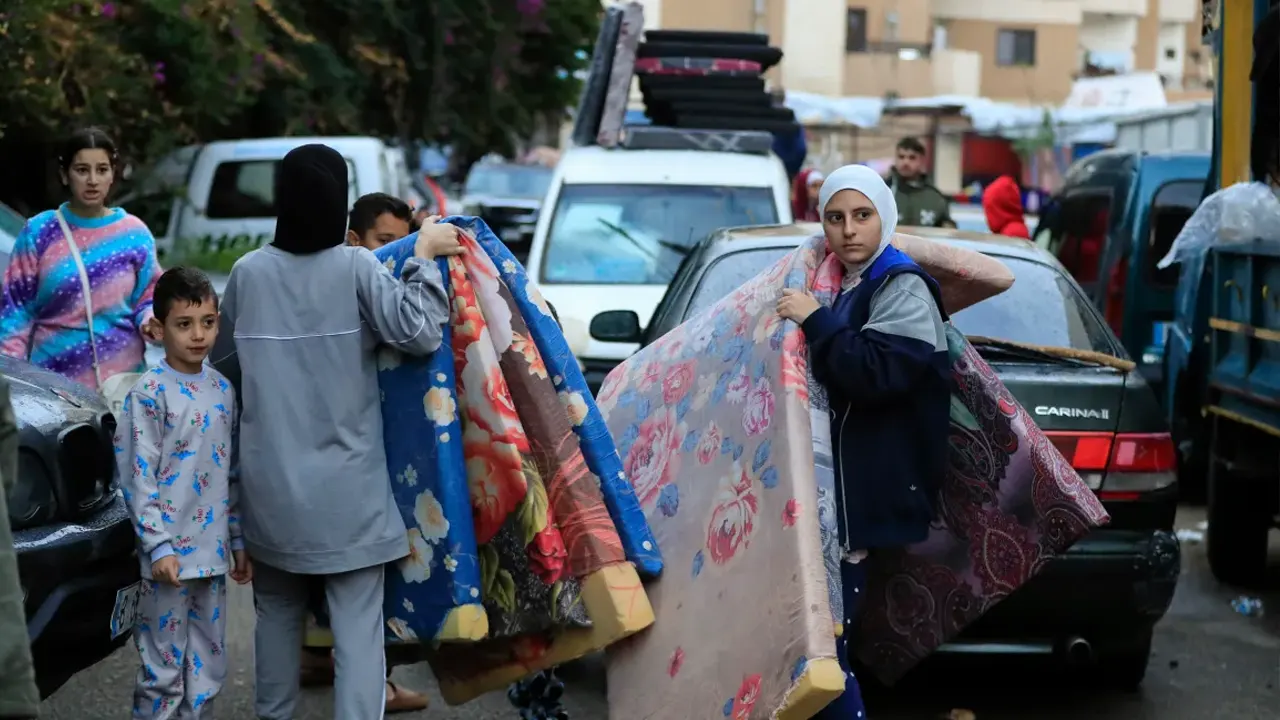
<point x="617" y="222"/>
<point x="213" y="202"/>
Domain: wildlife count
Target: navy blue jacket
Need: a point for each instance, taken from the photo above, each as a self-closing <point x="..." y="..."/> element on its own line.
<point x="881" y="354"/>
<point x="792" y="149"/>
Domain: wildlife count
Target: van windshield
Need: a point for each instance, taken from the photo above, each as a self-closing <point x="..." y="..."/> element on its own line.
<point x="638" y="234"/>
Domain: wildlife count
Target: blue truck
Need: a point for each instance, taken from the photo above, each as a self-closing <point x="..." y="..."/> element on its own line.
<point x="1205" y="333"/>
<point x="1222" y="361"/>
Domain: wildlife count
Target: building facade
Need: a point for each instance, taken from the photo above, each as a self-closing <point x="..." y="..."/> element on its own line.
<point x="1026" y="51"/>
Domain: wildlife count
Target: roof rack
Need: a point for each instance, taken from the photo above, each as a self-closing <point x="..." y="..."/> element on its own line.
<point x="650" y="137"/>
<point x="702" y="90"/>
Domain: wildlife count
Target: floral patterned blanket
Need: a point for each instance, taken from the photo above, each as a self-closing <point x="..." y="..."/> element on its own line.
<point x="506" y="477"/>
<point x="713" y="422"/>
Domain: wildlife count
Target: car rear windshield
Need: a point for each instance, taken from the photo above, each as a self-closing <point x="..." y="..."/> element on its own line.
<point x="637" y="234"/>
<point x="516" y="181"/>
<point x="1042" y="308"/>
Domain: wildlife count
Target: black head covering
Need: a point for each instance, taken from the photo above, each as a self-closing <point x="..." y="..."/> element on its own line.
<point x="311" y="200"/>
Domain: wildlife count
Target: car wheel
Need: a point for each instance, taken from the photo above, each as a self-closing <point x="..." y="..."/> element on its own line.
<point x="1236" y="541"/>
<point x="1125" y="667"/>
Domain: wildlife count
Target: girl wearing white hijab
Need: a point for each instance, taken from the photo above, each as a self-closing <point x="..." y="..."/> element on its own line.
<point x="881" y="353"/>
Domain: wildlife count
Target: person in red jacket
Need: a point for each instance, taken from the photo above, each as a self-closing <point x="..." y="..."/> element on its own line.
<point x="1002" y="204"/>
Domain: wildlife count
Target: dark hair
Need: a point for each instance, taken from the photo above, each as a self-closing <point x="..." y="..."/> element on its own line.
<point x="911" y="144"/>
<point x="89" y="138"/>
<point x="367" y="210"/>
<point x="182" y="283"/>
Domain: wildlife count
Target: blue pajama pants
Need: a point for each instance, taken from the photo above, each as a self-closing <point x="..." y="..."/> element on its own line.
<point x="180" y="637"/>
<point x="853" y="581"/>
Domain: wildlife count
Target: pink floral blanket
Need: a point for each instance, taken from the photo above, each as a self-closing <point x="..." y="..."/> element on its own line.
<point x="713" y="422"/>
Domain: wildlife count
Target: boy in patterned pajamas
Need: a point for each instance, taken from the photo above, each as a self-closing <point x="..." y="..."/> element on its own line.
<point x="174" y="447"/>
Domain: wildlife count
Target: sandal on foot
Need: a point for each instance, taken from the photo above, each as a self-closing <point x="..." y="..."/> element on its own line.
<point x="404" y="700"/>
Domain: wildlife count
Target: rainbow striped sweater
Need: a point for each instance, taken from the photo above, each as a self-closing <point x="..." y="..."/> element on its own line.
<point x="42" y="313"/>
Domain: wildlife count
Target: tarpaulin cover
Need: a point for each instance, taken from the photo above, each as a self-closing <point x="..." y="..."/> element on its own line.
<point x="713" y="424"/>
<point x="521" y="523"/>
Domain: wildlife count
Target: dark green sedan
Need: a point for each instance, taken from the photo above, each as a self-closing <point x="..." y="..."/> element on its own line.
<point x="1098" y="604"/>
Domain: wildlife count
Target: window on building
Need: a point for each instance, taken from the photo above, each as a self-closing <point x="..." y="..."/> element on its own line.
<point x="1170" y="53"/>
<point x="855" y="37"/>
<point x="1016" y="47"/>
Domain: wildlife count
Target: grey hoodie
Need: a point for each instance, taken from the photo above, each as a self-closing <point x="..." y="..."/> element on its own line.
<point x="298" y="337"/>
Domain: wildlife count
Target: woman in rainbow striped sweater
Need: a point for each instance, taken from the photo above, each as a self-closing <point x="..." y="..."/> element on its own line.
<point x="43" y="317"/>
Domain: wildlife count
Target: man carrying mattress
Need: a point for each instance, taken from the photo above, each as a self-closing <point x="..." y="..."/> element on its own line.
<point x="301" y="319"/>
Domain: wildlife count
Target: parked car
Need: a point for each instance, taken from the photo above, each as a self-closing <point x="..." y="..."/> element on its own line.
<point x="1103" y="597"/>
<point x="618" y="221"/>
<point x="507" y="196"/>
<point x="71" y="529"/>
<point x="209" y="204"/>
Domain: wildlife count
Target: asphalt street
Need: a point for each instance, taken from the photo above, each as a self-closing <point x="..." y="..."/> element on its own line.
<point x="1208" y="662"/>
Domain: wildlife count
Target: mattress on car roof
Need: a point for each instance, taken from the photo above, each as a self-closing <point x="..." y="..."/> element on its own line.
<point x="619" y="87"/>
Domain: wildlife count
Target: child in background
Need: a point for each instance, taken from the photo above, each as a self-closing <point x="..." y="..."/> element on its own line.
<point x="174" y="447"/>
<point x="1002" y="205"/>
<point x="378" y="219"/>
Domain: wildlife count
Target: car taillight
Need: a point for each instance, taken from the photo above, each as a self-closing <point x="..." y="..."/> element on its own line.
<point x="1120" y="466"/>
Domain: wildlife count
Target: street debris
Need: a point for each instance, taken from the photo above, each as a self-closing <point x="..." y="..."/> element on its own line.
<point x="1247" y="606"/>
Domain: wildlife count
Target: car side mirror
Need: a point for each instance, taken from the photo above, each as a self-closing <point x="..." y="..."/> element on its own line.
<point x="620" y="326"/>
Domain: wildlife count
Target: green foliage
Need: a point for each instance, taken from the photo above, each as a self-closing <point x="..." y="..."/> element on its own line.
<point x="162" y="73"/>
<point x="1044" y="137"/>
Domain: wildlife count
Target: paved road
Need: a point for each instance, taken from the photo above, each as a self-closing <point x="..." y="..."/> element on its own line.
<point x="1208" y="662"/>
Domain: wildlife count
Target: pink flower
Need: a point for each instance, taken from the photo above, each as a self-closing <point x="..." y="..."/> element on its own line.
<point x="653" y="459"/>
<point x="677" y="382"/>
<point x="736" y="390"/>
<point x="709" y="445"/>
<point x="650" y="374"/>
<point x="733" y="519"/>
<point x="759" y="411"/>
<point x="108" y="10"/>
<point x="791" y="513"/>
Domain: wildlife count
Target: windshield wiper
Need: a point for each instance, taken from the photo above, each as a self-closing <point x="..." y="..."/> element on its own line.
<point x="673" y="247"/>
<point x="992" y="348"/>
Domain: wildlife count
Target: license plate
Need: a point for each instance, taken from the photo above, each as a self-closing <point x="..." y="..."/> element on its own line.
<point x="511" y="235"/>
<point x="125" y="614"/>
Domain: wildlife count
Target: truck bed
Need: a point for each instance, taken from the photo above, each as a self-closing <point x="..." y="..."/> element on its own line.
<point x="1244" y="326"/>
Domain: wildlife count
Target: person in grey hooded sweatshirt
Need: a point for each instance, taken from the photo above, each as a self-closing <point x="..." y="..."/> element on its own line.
<point x="301" y="320"/>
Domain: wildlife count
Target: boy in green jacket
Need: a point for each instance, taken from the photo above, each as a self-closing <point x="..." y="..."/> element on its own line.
<point x="919" y="203"/>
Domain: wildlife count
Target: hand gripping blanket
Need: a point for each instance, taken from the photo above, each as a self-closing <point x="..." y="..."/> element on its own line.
<point x="525" y="538"/>
<point x="713" y="422"/>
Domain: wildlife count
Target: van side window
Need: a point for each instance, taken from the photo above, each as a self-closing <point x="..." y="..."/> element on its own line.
<point x="246" y="189"/>
<point x="243" y="190"/>
<point x="1172" y="207"/>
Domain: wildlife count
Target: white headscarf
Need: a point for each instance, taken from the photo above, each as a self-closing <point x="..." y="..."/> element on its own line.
<point x="869" y="183"/>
